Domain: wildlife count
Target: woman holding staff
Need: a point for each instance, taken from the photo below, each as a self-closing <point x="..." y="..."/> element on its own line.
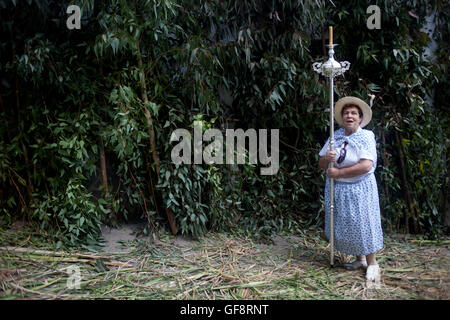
<point x="357" y="222"/>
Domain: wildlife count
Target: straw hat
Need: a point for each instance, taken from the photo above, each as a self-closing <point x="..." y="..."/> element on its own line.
<point x="366" y="110"/>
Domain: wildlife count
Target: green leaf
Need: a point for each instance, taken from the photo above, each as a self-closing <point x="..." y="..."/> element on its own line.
<point x="115" y="45"/>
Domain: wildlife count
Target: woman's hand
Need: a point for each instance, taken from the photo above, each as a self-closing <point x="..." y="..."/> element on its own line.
<point x="333" y="173"/>
<point x="330" y="156"/>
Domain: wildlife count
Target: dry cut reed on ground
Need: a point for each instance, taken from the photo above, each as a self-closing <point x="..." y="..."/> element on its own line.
<point x="217" y="266"/>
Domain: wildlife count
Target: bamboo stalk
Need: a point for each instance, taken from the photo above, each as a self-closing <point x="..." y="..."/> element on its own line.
<point x="32" y="291"/>
<point x="243" y="285"/>
<point x="418" y="278"/>
<point x="13" y="271"/>
<point x="151" y="131"/>
<point x="113" y="289"/>
<point x="72" y="256"/>
<point x="54" y="253"/>
<point x="385" y="164"/>
<point x="404" y="180"/>
<point x="440" y="242"/>
<point x="47" y="284"/>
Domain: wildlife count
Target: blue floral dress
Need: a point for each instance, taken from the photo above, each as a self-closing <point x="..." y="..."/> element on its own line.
<point x="357" y="221"/>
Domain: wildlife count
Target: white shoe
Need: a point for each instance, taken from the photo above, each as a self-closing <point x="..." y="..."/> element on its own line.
<point x="373" y="273"/>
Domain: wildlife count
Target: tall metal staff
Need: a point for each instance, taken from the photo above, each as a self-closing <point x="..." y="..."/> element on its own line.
<point x="330" y="69"/>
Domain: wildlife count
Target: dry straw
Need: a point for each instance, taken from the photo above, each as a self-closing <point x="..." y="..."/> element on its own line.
<point x="219" y="266"/>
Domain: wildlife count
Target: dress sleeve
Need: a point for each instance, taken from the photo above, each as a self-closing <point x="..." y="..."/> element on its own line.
<point x="370" y="150"/>
<point x="325" y="148"/>
<point x="364" y="154"/>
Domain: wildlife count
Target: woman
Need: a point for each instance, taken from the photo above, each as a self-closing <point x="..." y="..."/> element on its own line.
<point x="357" y="222"/>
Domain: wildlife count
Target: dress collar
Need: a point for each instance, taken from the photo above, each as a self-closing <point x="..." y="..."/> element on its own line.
<point x="357" y="130"/>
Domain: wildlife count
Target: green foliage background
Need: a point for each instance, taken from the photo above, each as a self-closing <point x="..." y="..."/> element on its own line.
<point x="69" y="96"/>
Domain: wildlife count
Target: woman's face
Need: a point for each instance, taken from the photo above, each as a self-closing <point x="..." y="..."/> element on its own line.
<point x="351" y="118"/>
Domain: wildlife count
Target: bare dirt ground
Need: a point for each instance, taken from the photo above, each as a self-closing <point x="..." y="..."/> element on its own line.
<point x="216" y="266"/>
